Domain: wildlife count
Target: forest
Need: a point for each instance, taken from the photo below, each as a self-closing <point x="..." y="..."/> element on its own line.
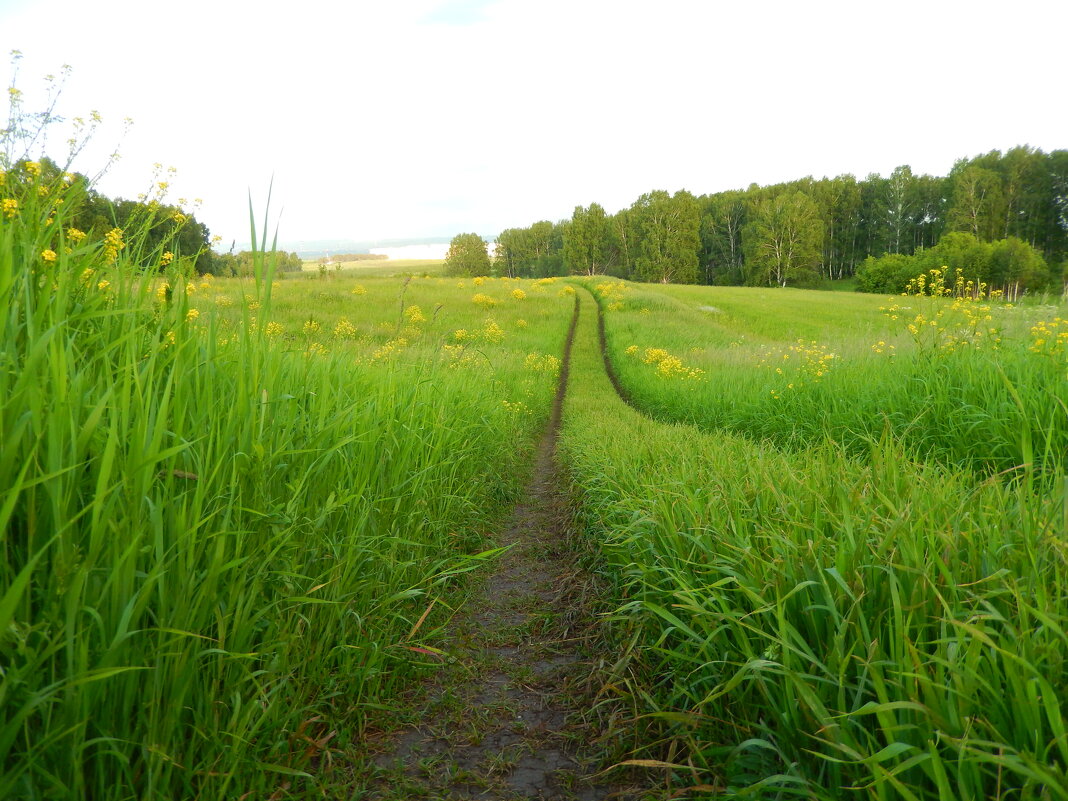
<point x="1012" y="208"/>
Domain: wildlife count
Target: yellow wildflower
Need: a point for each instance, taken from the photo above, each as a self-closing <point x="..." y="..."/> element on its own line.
<point x="113" y="244"/>
<point x="391" y="348"/>
<point x="516" y="408"/>
<point x="492" y="332"/>
<point x="457" y="355"/>
<point x="48" y="255"/>
<point x="344" y="329"/>
<point x="669" y="366"/>
<point x="542" y="363"/>
<point x="655" y="355"/>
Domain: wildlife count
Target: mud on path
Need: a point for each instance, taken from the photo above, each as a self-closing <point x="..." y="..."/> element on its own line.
<point x="502" y="721"/>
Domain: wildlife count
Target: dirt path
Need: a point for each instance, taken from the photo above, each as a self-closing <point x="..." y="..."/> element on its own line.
<point x="503" y="719"/>
<point x="608" y="366"/>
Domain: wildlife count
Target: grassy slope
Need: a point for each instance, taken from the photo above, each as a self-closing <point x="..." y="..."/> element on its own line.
<point x="220" y="541"/>
<point x="761" y="350"/>
<point x="807" y="621"/>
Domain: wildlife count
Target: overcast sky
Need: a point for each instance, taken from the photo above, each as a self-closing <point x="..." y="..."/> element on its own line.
<point x="431" y="117"/>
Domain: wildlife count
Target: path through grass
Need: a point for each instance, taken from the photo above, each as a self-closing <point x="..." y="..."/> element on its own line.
<point x="504" y="719"/>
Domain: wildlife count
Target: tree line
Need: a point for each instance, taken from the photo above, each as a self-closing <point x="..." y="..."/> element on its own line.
<point x="153" y="226"/>
<point x="243" y="262"/>
<point x="810" y="230"/>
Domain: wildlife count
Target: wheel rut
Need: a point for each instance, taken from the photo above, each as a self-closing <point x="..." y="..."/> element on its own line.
<point x="504" y="719"/>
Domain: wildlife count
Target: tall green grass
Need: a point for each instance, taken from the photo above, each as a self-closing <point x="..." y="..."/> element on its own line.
<point x="819" y="623"/>
<point x="985" y="405"/>
<point x="219" y="546"/>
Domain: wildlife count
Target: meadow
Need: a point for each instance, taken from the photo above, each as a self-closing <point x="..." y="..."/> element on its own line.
<point x="379" y="267"/>
<point x="812" y="602"/>
<point x="234" y="512"/>
<point x="830" y="529"/>
<point x="978" y="384"/>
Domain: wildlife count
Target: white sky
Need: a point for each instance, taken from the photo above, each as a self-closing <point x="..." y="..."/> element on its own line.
<point x="432" y="117"/>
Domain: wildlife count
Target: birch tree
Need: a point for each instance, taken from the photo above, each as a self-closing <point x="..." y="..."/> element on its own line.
<point x="784" y="241"/>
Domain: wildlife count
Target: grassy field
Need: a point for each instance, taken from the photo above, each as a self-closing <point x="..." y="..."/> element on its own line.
<point x="806" y="606"/>
<point x="378" y="267"/>
<point x="831" y="528"/>
<point x="230" y="508"/>
<point x="959" y="381"/>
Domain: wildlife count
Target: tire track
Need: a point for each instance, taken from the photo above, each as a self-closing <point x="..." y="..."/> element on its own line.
<point x="503" y="721"/>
